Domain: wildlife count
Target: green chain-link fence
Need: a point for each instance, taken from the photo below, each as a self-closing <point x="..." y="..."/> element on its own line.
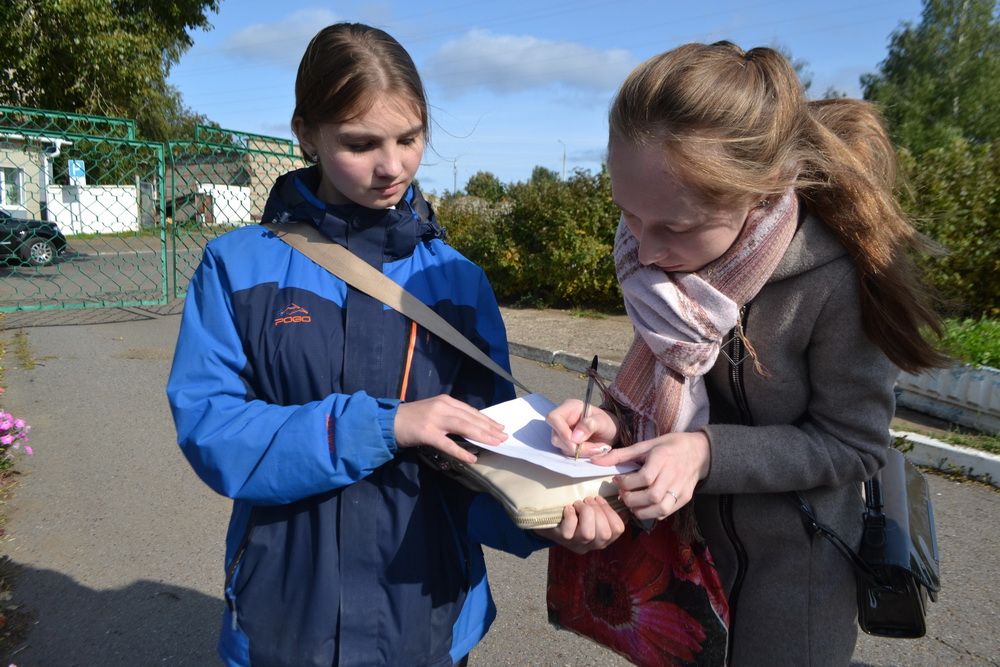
<point x="91" y="217"/>
<point x="215" y="183"/>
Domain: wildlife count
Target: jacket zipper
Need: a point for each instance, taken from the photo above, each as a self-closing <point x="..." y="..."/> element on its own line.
<point x="231" y="570"/>
<point x="737" y="350"/>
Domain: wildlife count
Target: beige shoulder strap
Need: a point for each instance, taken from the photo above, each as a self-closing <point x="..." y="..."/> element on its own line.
<point x="353" y="270"/>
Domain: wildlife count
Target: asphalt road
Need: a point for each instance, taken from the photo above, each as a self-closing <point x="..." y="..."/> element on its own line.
<point x="118" y="546"/>
<point x="126" y="271"/>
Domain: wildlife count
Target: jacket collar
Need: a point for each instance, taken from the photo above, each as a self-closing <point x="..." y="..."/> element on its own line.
<point x="375" y="235"/>
<point x="813" y="245"/>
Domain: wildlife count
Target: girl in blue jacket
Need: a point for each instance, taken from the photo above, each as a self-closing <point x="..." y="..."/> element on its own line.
<point x="303" y="399"/>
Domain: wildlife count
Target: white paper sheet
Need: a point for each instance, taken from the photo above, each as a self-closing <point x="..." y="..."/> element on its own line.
<point x="530" y="439"/>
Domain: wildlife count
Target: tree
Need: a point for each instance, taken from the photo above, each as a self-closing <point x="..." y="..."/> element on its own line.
<point x="940" y="78"/>
<point x="540" y="176"/>
<point x="486" y="186"/>
<point x="938" y="91"/>
<point x="101" y="57"/>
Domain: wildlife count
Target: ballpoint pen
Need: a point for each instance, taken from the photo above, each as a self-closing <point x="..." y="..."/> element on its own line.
<point x="586" y="400"/>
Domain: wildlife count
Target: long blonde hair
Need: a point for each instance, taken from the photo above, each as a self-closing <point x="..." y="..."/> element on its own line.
<point x="736" y="126"/>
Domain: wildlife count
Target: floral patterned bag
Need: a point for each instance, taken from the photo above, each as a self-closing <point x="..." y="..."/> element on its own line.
<point x="652" y="597"/>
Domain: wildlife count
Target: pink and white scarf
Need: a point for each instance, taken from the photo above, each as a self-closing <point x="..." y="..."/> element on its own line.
<point x="681" y="318"/>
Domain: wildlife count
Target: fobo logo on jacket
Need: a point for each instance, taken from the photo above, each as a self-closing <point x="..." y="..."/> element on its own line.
<point x="291" y="314"/>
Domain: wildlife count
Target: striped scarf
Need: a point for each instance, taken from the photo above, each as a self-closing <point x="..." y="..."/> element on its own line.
<point x="681" y="318"/>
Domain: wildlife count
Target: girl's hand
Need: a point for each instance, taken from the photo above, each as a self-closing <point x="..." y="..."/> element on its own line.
<point x="431" y="420"/>
<point x="586" y="525"/>
<point x="672" y="464"/>
<point x="594" y="436"/>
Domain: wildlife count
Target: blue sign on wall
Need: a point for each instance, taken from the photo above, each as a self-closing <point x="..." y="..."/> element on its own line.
<point x="77" y="172"/>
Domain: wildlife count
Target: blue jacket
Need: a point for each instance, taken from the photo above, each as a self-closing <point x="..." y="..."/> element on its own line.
<point x="342" y="549"/>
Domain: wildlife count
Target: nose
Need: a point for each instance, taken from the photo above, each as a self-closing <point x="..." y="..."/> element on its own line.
<point x="650" y="251"/>
<point x="389" y="164"/>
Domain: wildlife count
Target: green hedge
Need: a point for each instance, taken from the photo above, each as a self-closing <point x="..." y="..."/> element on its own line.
<point x="546" y="242"/>
<point x="973" y="341"/>
<point x="954" y="195"/>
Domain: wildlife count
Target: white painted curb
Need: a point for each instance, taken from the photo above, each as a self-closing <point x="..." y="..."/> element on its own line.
<point x="942" y="456"/>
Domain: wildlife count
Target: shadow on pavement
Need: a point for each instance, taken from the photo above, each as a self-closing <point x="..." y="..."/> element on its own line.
<point x="145" y="623"/>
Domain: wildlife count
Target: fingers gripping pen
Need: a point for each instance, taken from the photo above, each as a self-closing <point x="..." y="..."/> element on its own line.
<point x="586" y="399"/>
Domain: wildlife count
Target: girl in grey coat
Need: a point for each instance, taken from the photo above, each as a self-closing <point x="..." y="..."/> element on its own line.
<point x="765" y="356"/>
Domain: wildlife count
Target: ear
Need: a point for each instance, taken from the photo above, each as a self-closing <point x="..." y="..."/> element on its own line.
<point x="305" y="136"/>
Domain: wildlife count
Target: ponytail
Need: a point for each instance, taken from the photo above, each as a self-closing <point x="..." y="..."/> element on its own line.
<point x="850" y="186"/>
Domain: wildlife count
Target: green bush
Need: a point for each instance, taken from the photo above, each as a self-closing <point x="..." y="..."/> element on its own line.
<point x="973" y="341"/>
<point x="954" y="197"/>
<point x="547" y="242"/>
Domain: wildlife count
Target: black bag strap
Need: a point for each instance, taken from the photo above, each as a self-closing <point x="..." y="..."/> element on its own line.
<point x="814" y="526"/>
<point x="357" y="273"/>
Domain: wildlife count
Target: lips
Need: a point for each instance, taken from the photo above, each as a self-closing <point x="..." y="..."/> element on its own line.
<point x="389" y="190"/>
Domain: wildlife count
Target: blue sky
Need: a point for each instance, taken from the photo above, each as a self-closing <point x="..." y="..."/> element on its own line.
<point x="517" y="84"/>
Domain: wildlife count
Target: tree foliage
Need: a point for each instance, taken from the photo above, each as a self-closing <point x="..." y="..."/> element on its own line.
<point x="954" y="197"/>
<point x="547" y="242"/>
<point x="102" y="57"/>
<point x="486" y="186"/>
<point x="940" y="78"/>
<point x="938" y="91"/>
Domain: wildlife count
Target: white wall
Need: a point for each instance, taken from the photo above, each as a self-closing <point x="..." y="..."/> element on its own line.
<point x="94" y="209"/>
<point x="230" y="203"/>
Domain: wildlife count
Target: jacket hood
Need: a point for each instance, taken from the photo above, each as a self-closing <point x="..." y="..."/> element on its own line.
<point x="813" y="245"/>
<point x="377" y="235"/>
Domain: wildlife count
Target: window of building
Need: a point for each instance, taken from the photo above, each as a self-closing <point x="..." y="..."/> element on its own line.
<point x="11" y="187"/>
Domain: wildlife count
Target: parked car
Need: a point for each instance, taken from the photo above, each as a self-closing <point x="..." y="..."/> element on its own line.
<point x="30" y="242"/>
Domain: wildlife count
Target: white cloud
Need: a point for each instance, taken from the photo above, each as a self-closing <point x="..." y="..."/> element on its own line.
<point x="511" y="64"/>
<point x="281" y="43"/>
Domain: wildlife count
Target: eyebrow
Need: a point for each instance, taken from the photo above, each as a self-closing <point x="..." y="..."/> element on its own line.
<point x="662" y="222"/>
<point x="351" y="135"/>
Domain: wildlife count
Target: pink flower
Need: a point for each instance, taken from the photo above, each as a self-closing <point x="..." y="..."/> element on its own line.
<point x="19" y="423"/>
<point x="6" y="424"/>
<point x="29" y="451"/>
<point x="6" y="439"/>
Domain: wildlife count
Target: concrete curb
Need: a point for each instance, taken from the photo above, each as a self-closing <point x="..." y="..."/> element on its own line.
<point x="568" y="360"/>
<point x="925" y="451"/>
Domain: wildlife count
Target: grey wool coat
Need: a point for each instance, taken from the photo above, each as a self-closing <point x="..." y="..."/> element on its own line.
<point x="820" y="420"/>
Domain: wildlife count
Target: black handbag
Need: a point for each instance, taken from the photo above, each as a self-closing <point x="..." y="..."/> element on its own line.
<point x="897" y="563"/>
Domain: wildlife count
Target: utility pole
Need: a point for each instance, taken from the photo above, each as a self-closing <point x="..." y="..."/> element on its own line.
<point x="454" y="175"/>
<point x="564" y="158"/>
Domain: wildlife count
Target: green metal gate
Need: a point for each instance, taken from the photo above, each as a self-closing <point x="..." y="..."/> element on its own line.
<point x="82" y="215"/>
<point x="91" y="217"/>
<point x="215" y="183"/>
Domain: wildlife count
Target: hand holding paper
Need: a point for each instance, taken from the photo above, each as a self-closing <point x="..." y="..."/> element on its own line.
<point x="530" y="439"/>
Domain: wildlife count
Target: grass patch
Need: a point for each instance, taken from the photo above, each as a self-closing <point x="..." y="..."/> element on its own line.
<point x="587" y="314"/>
<point x="954" y="435"/>
<point x="23" y="351"/>
<point x="16" y="620"/>
<point x="973" y="341"/>
<point x="90" y="236"/>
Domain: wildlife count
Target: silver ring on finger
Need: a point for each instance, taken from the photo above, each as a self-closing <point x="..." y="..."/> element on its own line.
<point x="674" y="496"/>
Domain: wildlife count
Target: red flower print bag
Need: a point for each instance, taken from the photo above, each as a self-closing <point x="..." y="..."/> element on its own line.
<point x="654" y="598"/>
